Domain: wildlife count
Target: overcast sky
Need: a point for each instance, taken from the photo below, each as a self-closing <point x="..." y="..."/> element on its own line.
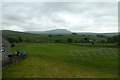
<point x="97" y="17"/>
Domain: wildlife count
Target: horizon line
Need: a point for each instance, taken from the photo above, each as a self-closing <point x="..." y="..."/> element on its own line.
<point x="66" y="29"/>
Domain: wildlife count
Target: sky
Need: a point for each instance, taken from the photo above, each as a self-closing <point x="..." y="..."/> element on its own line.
<point x="98" y="17"/>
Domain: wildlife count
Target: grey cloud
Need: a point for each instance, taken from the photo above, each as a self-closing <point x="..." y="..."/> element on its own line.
<point x="43" y="16"/>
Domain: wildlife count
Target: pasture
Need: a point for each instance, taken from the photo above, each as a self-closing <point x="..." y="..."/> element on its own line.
<point x="56" y="60"/>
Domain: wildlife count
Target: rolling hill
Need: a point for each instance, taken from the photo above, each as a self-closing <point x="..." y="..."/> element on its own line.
<point x="54" y="31"/>
<point x="58" y="34"/>
<point x="65" y="31"/>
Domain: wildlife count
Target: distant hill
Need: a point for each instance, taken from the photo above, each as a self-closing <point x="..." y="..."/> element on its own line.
<point x="65" y="31"/>
<point x="110" y="34"/>
<point x="16" y="34"/>
<point x="11" y="32"/>
<point x="55" y="31"/>
<point x="105" y="34"/>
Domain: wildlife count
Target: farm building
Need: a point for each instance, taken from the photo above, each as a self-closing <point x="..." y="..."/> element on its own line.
<point x="5" y="50"/>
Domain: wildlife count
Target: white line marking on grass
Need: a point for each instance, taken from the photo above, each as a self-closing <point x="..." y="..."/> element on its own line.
<point x="89" y="56"/>
<point x="81" y="56"/>
<point x="103" y="54"/>
<point x="109" y="54"/>
<point x="72" y="55"/>
<point x="115" y="53"/>
<point x="112" y="54"/>
<point x="95" y="54"/>
<point x="92" y="55"/>
<point x="98" y="54"/>
<point x="76" y="54"/>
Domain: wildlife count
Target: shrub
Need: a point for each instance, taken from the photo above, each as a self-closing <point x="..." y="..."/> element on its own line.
<point x="69" y="40"/>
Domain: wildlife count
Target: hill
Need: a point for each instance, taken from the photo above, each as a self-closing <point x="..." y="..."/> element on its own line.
<point x="27" y="37"/>
<point x="45" y="38"/>
<point x="54" y="31"/>
<point x="65" y="31"/>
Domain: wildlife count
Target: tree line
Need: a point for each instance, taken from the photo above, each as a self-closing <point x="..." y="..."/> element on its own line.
<point x="113" y="40"/>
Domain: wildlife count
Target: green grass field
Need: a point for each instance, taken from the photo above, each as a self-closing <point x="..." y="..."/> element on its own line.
<point x="51" y="60"/>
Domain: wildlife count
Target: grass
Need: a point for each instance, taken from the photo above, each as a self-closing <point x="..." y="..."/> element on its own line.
<point x="48" y="60"/>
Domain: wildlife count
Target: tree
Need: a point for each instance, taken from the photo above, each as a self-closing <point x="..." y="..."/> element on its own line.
<point x="20" y="39"/>
<point x="114" y="39"/>
<point x="50" y="35"/>
<point x="100" y="35"/>
<point x="58" y="41"/>
<point x="12" y="40"/>
<point x="86" y="40"/>
<point x="69" y="40"/>
<point x="74" y="33"/>
<point x="92" y="41"/>
<point x="109" y="40"/>
<point x="76" y="41"/>
<point x="13" y="45"/>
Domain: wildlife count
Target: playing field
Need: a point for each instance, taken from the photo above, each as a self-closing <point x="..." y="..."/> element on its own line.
<point x="51" y="60"/>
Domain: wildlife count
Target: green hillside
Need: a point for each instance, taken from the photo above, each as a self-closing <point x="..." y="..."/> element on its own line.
<point x="29" y="37"/>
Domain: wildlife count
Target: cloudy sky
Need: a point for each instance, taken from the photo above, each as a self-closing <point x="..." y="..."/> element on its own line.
<point x="97" y="17"/>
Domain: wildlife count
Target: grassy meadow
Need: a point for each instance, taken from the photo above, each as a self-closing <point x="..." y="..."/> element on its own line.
<point x="58" y="60"/>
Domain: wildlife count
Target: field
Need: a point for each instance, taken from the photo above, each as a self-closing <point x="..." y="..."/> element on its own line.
<point x="51" y="60"/>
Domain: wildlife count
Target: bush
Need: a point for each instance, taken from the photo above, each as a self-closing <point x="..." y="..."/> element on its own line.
<point x="20" y="39"/>
<point x="12" y="40"/>
<point x="58" y="41"/>
<point x="12" y="45"/>
<point x="70" y="40"/>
